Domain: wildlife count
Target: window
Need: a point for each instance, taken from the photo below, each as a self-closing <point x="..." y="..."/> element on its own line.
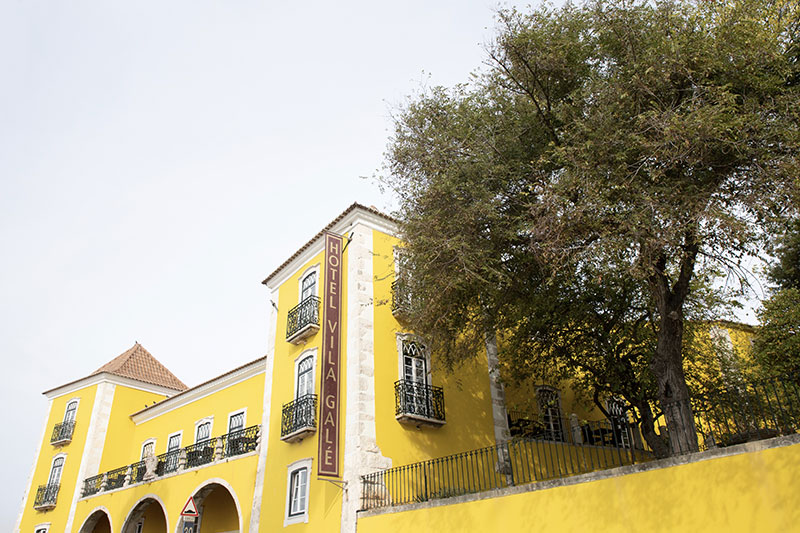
<point x="415" y="365"/>
<point x="305" y="377"/>
<point x="618" y="417"/>
<point x="308" y="285"/>
<point x="148" y="448"/>
<point x="236" y="422"/>
<point x="174" y="442"/>
<point x="55" y="471"/>
<point x="42" y="528"/>
<point x="550" y="411"/>
<point x="203" y="432"/>
<point x="72" y="408"/>
<point x="297" y="492"/>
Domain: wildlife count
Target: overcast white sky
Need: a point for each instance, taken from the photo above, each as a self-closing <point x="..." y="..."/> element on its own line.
<point x="159" y="159"/>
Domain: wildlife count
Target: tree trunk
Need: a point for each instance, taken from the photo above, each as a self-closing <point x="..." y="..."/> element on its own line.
<point x="657" y="444"/>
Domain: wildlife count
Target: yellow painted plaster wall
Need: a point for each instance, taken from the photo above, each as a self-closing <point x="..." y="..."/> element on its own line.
<point x="755" y="491"/>
<point x="74" y="451"/>
<point x="324" y="499"/>
<point x="219" y="513"/>
<point x="467" y="397"/>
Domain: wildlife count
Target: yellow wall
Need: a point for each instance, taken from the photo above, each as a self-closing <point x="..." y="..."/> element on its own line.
<point x="324" y="499"/>
<point x="755" y="491"/>
<point x="219" y="513"/>
<point x="74" y="451"/>
<point x="467" y="397"/>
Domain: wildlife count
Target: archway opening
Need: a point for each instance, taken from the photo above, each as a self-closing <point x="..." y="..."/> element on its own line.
<point x="217" y="508"/>
<point x="96" y="523"/>
<point x="146" y="517"/>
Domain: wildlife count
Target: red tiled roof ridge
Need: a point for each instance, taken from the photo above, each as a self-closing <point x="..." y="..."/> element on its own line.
<point x="139" y="364"/>
<point x="353" y="206"/>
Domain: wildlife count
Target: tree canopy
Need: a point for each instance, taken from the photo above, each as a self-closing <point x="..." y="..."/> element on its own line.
<point x="579" y="190"/>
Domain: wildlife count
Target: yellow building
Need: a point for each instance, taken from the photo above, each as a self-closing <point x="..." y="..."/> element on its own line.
<point x="302" y="437"/>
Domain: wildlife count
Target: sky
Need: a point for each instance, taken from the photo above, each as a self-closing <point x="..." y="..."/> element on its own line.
<point x="159" y="159"/>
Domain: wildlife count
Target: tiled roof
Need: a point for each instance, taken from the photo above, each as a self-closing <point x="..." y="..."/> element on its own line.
<point x="303" y="248"/>
<point x="137" y="363"/>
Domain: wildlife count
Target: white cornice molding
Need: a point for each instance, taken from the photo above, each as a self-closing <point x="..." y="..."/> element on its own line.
<point x="105" y="377"/>
<point x="357" y="216"/>
<point x="201" y="391"/>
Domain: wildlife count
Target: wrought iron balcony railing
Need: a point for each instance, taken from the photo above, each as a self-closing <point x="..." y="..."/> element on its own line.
<point x="92" y="485"/>
<point x="201" y="453"/>
<point x="168" y="462"/>
<point x="116" y="478"/>
<point x="401" y="298"/>
<point x="240" y="442"/>
<point x="46" y="496"/>
<point x="418" y="402"/>
<point x="303" y="320"/>
<point x="299" y="418"/>
<point x="62" y="432"/>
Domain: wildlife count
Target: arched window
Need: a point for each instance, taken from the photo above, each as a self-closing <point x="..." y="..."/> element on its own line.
<point x="308" y="286"/>
<point x="305" y="377"/>
<point x="55" y="472"/>
<point x="203" y="432"/>
<point x="72" y="408"/>
<point x="415" y="366"/>
<point x="149" y="448"/>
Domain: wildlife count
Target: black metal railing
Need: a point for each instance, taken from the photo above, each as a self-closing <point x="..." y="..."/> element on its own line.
<point x="304" y="314"/>
<point x="299" y="414"/>
<point x="138" y="470"/>
<point x="724" y="417"/>
<point x="62" y="432"/>
<point x="116" y="478"/>
<point x="92" y="485"/>
<point x="401" y="297"/>
<point x="200" y="454"/>
<point x="46" y="496"/>
<point x="168" y="462"/>
<point x="419" y="400"/>
<point x="240" y="442"/>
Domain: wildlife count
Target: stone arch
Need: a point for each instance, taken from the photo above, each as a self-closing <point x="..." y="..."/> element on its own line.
<point x="213" y="491"/>
<point x="149" y="506"/>
<point x="96" y="520"/>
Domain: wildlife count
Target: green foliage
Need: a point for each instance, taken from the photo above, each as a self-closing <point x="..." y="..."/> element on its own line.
<point x="777" y="347"/>
<point x="785" y="273"/>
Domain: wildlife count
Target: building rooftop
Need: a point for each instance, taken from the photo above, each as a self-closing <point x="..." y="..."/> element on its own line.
<point x="137" y="363"/>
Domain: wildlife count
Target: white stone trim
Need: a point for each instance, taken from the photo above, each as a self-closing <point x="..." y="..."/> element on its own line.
<point x="95" y="440"/>
<point x="361" y="452"/>
<point x="400" y="337"/>
<point x="105" y="377"/>
<point x="357" y="216"/>
<point x="33" y="469"/>
<point x="263" y="442"/>
<point x="294" y="467"/>
<point x="201" y="391"/>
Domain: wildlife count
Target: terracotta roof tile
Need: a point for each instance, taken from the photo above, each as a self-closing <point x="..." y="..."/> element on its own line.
<point x="137" y="363"/>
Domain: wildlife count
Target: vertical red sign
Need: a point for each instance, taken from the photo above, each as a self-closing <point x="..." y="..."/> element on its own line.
<point x="331" y="352"/>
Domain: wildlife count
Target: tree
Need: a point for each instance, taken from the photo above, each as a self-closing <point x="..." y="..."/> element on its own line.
<point x="785" y="273"/>
<point x="636" y="141"/>
<point x="777" y="347"/>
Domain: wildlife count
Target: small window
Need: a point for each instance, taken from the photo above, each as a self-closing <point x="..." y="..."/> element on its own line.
<point x="174" y="442"/>
<point x="42" y="528"/>
<point x="308" y="286"/>
<point x="297" y="492"/>
<point x="203" y="432"/>
<point x="72" y="408"/>
<point x="149" y="448"/>
<point x="305" y="377"/>
<point x="55" y="471"/>
<point x="236" y="422"/>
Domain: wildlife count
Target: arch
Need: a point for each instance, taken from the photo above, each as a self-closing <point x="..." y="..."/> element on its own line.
<point x="94" y="517"/>
<point x="204" y="489"/>
<point x="138" y="510"/>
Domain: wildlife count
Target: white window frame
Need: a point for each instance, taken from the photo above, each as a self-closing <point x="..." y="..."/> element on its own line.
<point x="210" y="428"/>
<point x="145" y="443"/>
<point x="302" y="357"/>
<point x="66" y="408"/>
<point x="52" y="463"/>
<point x="401" y="374"/>
<point x="312" y="269"/>
<point x="42" y="528"/>
<point x="180" y="439"/>
<point x="234" y="413"/>
<point x="292" y="468"/>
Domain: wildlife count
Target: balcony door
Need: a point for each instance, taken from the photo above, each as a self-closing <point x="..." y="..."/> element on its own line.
<point x="415" y="374"/>
<point x="55" y="472"/>
<point x="69" y="415"/>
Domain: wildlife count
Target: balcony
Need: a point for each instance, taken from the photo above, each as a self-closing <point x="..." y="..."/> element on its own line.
<point x="234" y="444"/>
<point x="303" y="320"/>
<point x="401" y="299"/>
<point x="46" y="497"/>
<point x="62" y="433"/>
<point x="299" y="418"/>
<point x="418" y="403"/>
